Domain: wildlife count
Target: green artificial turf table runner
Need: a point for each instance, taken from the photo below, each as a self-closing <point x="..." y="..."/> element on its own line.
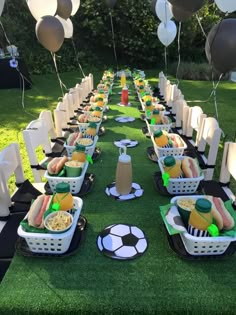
<point x="88" y="282"/>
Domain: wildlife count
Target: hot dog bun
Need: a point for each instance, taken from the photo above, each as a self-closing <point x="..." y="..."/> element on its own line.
<point x="190" y="167"/>
<point x="228" y="221"/>
<point x="215" y="213"/>
<point x="37" y="209"/>
<point x="56" y="165"/>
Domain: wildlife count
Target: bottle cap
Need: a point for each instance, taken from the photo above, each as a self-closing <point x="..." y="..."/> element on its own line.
<point x="98" y="108"/>
<point x="148" y="103"/>
<point x="203" y="205"/>
<point x="156" y="112"/>
<point x="169" y="161"/>
<point x="123" y="157"/>
<point x="62" y="188"/>
<point x="92" y="125"/>
<point x="79" y="147"/>
<point x="158" y="133"/>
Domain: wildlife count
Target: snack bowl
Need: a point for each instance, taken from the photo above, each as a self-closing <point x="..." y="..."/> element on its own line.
<point x="58" y="221"/>
<point x="185" y="206"/>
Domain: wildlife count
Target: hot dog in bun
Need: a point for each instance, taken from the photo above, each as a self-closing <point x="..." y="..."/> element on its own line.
<point x="190" y="167"/>
<point x="37" y="210"/>
<point x="228" y="221"/>
<point x="56" y="165"/>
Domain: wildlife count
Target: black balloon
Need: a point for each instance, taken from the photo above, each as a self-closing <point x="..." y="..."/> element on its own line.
<point x="50" y="32"/>
<point x="188" y="5"/>
<point x="64" y="8"/>
<point x="220" y="46"/>
<point x="110" y="3"/>
<point x="179" y="14"/>
<point x="153" y="7"/>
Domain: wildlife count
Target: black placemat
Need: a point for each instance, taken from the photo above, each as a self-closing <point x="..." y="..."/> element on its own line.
<point x="158" y="183"/>
<point x="25" y="193"/>
<point x="23" y="249"/>
<point x="101" y="131"/>
<point x="146" y="132"/>
<point x="176" y="244"/>
<point x="152" y="154"/>
<point x="86" y="187"/>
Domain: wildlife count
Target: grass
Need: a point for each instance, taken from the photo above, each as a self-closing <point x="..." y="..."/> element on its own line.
<point x="157" y="283"/>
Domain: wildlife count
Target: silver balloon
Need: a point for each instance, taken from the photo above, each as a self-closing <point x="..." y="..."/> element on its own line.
<point x="50" y="32"/>
<point x="64" y="8"/>
<point x="179" y="14"/>
<point x="188" y="5"/>
<point x="220" y="46"/>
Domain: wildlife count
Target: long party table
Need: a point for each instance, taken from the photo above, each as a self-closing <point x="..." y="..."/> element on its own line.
<point x="88" y="282"/>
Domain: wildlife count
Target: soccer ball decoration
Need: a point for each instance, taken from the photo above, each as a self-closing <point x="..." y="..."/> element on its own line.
<point x="125" y="142"/>
<point x="136" y="192"/>
<point x="122" y="241"/>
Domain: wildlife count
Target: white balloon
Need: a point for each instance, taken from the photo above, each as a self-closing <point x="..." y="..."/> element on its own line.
<point x="1" y="6"/>
<point x="163" y="10"/>
<point x="166" y="32"/>
<point x="75" y="6"/>
<point x="67" y="25"/>
<point x="39" y="8"/>
<point x="226" y="5"/>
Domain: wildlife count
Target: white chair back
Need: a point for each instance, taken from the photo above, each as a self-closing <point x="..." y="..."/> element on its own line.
<point x="10" y="163"/>
<point x="228" y="165"/>
<point x="182" y="112"/>
<point x="194" y="122"/>
<point x="60" y="119"/>
<point x="36" y="136"/>
<point x="209" y="134"/>
<point x="46" y="115"/>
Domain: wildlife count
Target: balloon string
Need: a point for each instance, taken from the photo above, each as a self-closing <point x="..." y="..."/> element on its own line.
<point x="56" y="69"/>
<point x="179" y="57"/>
<point x="7" y="39"/>
<point x="165" y="56"/>
<point x="113" y="40"/>
<point x="76" y="56"/>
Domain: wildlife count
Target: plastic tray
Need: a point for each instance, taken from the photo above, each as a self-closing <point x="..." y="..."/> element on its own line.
<point x="179" y="186"/>
<point x="174" y="151"/>
<point x="23" y="249"/>
<point x="89" y="149"/>
<point x="48" y="243"/>
<point x="74" y="182"/>
<point x="204" y="246"/>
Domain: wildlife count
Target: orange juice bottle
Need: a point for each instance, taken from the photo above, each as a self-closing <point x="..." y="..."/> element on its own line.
<point x="79" y="153"/>
<point x="200" y="217"/>
<point x="91" y="130"/>
<point x="160" y="138"/>
<point x="63" y="196"/>
<point x="172" y="166"/>
<point x="123" y="79"/>
<point x="157" y="116"/>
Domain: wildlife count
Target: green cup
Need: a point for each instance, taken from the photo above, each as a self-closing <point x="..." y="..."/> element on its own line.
<point x="73" y="171"/>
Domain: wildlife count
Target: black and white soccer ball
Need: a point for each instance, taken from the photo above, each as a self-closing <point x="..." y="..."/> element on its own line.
<point x="125" y="143"/>
<point x="136" y="192"/>
<point x="122" y="241"/>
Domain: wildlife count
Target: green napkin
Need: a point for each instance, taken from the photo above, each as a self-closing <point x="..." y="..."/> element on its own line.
<point x="177" y="225"/>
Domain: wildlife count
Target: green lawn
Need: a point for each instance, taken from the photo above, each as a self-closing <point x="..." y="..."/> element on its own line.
<point x="159" y="282"/>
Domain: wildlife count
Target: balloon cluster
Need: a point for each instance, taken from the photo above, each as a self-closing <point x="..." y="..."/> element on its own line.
<point x="53" y="21"/>
<point x="167" y="30"/>
<point x="220" y="47"/>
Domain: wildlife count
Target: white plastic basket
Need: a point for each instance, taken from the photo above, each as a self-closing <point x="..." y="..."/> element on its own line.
<point x="89" y="150"/>
<point x="174" y="151"/>
<point x="153" y="128"/>
<point x="74" y="182"/>
<point x="199" y="246"/>
<point x="50" y="243"/>
<point x="180" y="186"/>
<point x="83" y="126"/>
